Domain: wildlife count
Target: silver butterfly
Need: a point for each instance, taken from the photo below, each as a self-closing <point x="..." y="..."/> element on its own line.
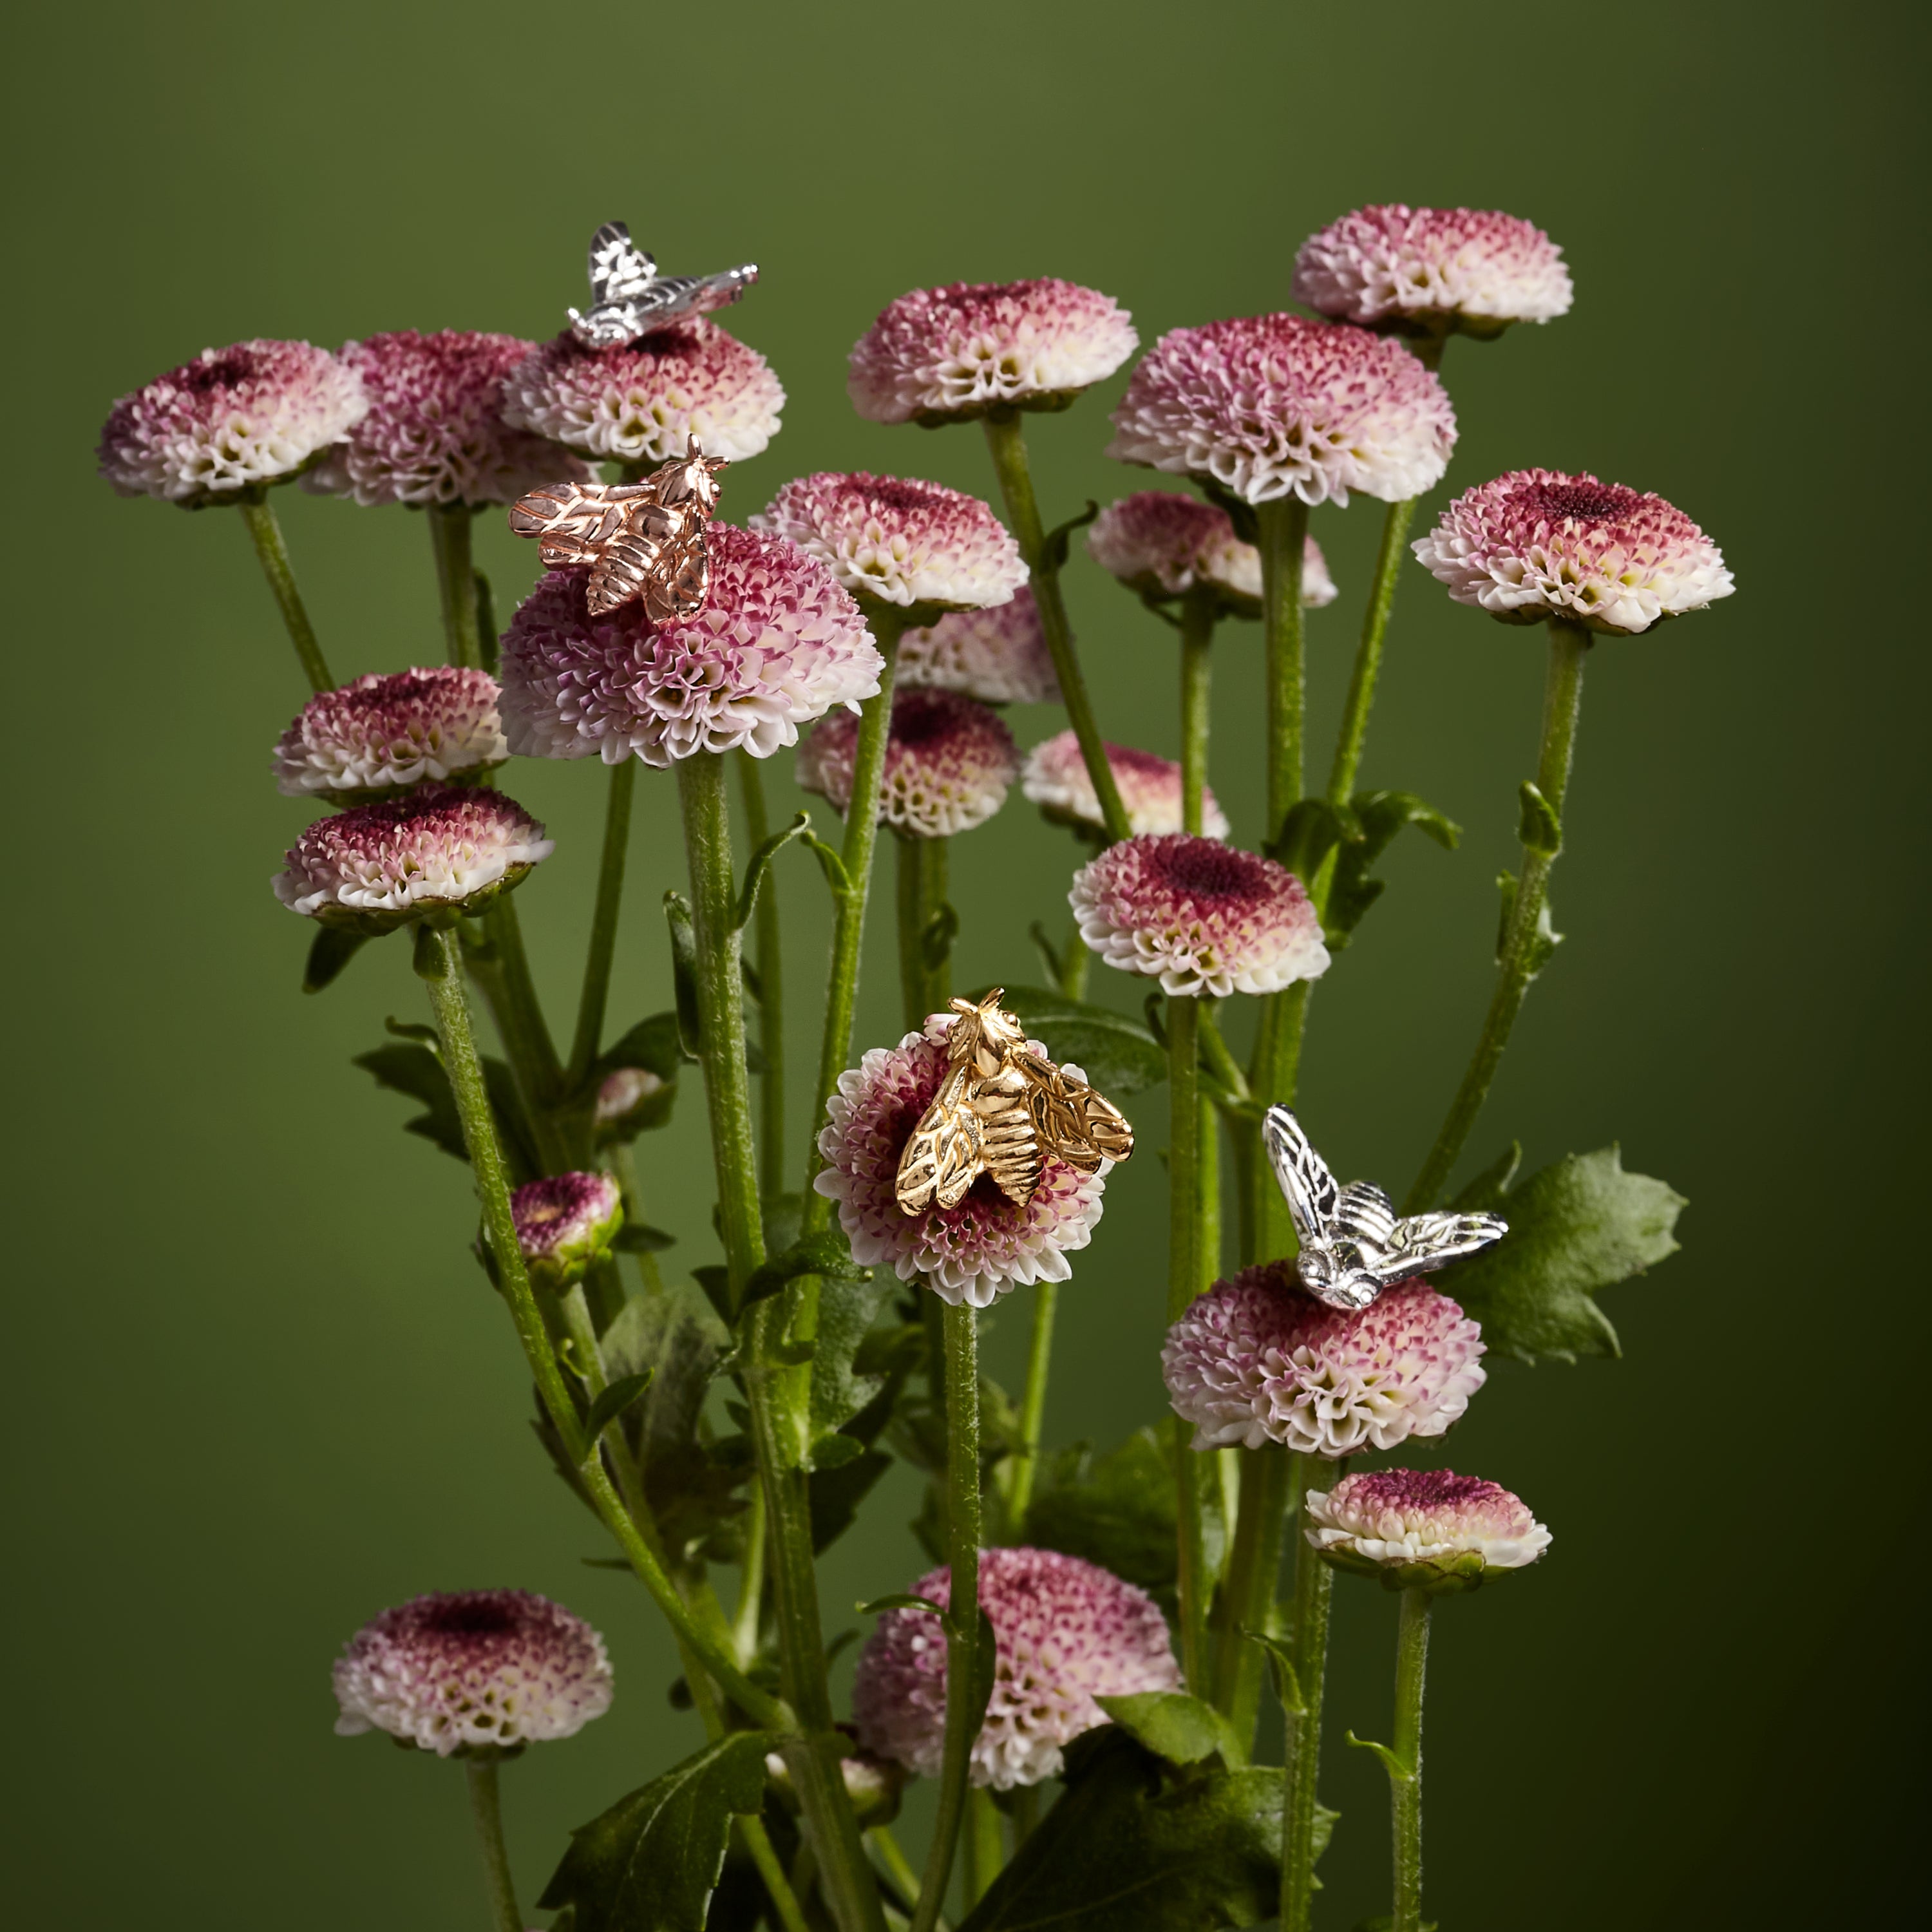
<point x="1353" y="1243"/>
<point x="629" y="297"/>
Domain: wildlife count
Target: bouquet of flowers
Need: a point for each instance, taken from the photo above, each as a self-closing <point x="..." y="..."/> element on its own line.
<point x="1082" y="1673"/>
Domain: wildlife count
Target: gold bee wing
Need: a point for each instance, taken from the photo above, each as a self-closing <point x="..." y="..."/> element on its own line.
<point x="1072" y="1122"/>
<point x="947" y="1153"/>
<point x="572" y="522"/>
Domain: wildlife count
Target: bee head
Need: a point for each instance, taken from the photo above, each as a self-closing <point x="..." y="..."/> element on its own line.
<point x="696" y="478"/>
<point x="986" y="1023"/>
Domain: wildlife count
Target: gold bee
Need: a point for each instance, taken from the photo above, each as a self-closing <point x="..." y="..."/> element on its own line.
<point x="1001" y="1110"/>
<point x="640" y="539"/>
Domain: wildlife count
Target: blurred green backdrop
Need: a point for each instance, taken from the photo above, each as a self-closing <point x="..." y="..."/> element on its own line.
<point x="259" y="1388"/>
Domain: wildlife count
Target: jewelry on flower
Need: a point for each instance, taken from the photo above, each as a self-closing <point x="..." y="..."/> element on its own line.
<point x="1001" y="1110"/>
<point x="1353" y="1244"/>
<point x="643" y="539"/>
<point x="630" y="298"/>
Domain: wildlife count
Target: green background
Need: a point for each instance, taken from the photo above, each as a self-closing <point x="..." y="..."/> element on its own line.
<point x="258" y="1389"/>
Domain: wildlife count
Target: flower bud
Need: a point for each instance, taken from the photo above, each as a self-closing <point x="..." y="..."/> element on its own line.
<point x="1424" y="1529"/>
<point x="565" y="1223"/>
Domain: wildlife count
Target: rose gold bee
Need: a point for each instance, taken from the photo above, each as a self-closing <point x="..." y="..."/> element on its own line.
<point x="643" y="540"/>
<point x="1004" y="1109"/>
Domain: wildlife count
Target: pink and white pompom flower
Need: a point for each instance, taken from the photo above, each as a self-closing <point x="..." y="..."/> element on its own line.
<point x="1433" y="270"/>
<point x="565" y="1224"/>
<point x="1427" y="1529"/>
<point x="778" y="643"/>
<point x="233" y="419"/>
<point x="470" y="1671"/>
<point x="1539" y="544"/>
<point x="382" y="734"/>
<point x="1202" y="917"/>
<point x="435" y="431"/>
<point x="1065" y="1632"/>
<point x="1055" y="778"/>
<point x="1258" y="1359"/>
<point x="997" y="654"/>
<point x="1162" y="544"/>
<point x="1269" y="405"/>
<point x="440" y="849"/>
<point x="971" y="1254"/>
<point x="642" y="402"/>
<point x="898" y="540"/>
<point x="949" y="763"/>
<point x="949" y="354"/>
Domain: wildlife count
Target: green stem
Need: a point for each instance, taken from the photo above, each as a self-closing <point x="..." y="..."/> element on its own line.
<point x="624" y="1167"/>
<point x="1197" y="641"/>
<point x="273" y="552"/>
<point x="486" y="1807"/>
<point x="1272" y="1078"/>
<point x="962" y="1615"/>
<point x="1033" y="1406"/>
<point x="1411" y="1665"/>
<point x="770" y="963"/>
<point x="449" y="534"/>
<point x="1314" y="1582"/>
<point x="746" y="1620"/>
<point x="595" y="996"/>
<point x="1282" y="526"/>
<point x="1389" y="560"/>
<point x="925" y="985"/>
<point x="1517" y="962"/>
<point x="779" y="1429"/>
<point x="985" y="1851"/>
<point x="1184" y="1284"/>
<point x="897" y="1866"/>
<point x="1207" y="1196"/>
<point x="1254" y="1575"/>
<point x="1006" y="438"/>
<point x="438" y="964"/>
<point x="503" y="972"/>
<point x="777" y="1887"/>
<point x="1074" y="961"/>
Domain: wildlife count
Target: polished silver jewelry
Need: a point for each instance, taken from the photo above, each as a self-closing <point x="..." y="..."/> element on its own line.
<point x="630" y="298"/>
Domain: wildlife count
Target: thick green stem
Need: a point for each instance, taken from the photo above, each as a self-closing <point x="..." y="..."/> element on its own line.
<point x="449" y="533"/>
<point x="1272" y="1074"/>
<point x="1197" y="642"/>
<point x="438" y="962"/>
<point x="925" y="983"/>
<point x="1254" y="1574"/>
<point x="273" y="553"/>
<point x="1517" y="962"/>
<point x="784" y="1901"/>
<point x="985" y="1847"/>
<point x="1207" y="1196"/>
<point x="595" y="996"/>
<point x="1353" y="734"/>
<point x="1194" y="1587"/>
<point x="892" y="1860"/>
<point x="779" y="1429"/>
<point x="486" y="1807"/>
<point x="1314" y="1583"/>
<point x="1033" y="1406"/>
<point x="962" y="1614"/>
<point x="503" y="970"/>
<point x="1283" y="529"/>
<point x="1006" y="438"/>
<point x="770" y="963"/>
<point x="1411" y="1666"/>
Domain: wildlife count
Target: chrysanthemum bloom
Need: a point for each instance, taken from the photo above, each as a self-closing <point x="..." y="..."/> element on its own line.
<point x="1258" y="1359"/>
<point x="901" y="542"/>
<point x="623" y="1102"/>
<point x="1538" y="544"/>
<point x="949" y="763"/>
<point x="381" y="734"/>
<point x="1433" y="270"/>
<point x="642" y="403"/>
<point x="998" y="654"/>
<point x="565" y="1225"/>
<point x="1065" y="1632"/>
<point x="939" y="356"/>
<point x="435" y="432"/>
<point x="231" y="420"/>
<point x="1199" y="917"/>
<point x="1424" y="1529"/>
<point x="470" y="1670"/>
<point x="1162" y="544"/>
<point x="972" y="1253"/>
<point x="438" y="849"/>
<point x="1055" y="778"/>
<point x="778" y="643"/>
<point x="1269" y="405"/>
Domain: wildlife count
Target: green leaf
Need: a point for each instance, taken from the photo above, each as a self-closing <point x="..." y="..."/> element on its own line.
<point x="650" y="1863"/>
<point x="1172" y="1725"/>
<point x="830" y="863"/>
<point x="684" y="972"/>
<point x="826" y="1254"/>
<point x="412" y="1069"/>
<point x="1115" y="1510"/>
<point x="331" y="952"/>
<point x="1053" y="551"/>
<point x="834" y="1452"/>
<point x="1312" y="829"/>
<point x="1137" y="1845"/>
<point x="639" y="1238"/>
<point x="849" y="1303"/>
<point x="1542" y="943"/>
<point x="1378" y="816"/>
<point x="1119" y="1056"/>
<point x="1576" y="1227"/>
<point x="1483" y="1195"/>
<point x="653" y="1044"/>
<point x="1281" y="1668"/>
<point x="613" y="1402"/>
<point x="754" y="872"/>
<point x="1398" y="1772"/>
<point x="835" y="1494"/>
<point x="936" y="937"/>
<point x="1538" y="827"/>
<point x="1049" y="954"/>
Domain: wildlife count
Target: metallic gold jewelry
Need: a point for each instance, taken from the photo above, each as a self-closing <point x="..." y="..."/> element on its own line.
<point x="1002" y="1109"/>
<point x="630" y="298"/>
<point x="640" y="539"/>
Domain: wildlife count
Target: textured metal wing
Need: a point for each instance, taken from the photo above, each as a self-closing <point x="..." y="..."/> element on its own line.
<point x="670" y="297"/>
<point x="574" y="521"/>
<point x="1303" y="1176"/>
<point x="1365" y="1215"/>
<point x="1073" y="1123"/>
<point x="620" y="271"/>
<point x="1426" y="1241"/>
<point x="947" y="1153"/>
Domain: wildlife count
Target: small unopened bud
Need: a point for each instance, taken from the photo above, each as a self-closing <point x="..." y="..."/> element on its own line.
<point x="565" y="1223"/>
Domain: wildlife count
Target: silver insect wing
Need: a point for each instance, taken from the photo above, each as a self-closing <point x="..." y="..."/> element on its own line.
<point x="630" y="298"/>
<point x="1354" y="1244"/>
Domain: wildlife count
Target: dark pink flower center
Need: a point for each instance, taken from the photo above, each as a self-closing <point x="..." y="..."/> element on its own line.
<point x="1423" y="1489"/>
<point x="482" y="1613"/>
<point x="1589" y="502"/>
<point x="223" y="371"/>
<point x="1206" y="868"/>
